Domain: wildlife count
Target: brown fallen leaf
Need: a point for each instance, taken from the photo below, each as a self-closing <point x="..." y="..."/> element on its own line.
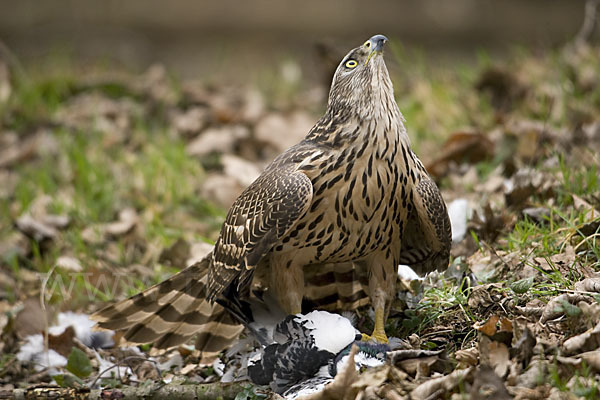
<point x="588" y="285"/>
<point x="488" y="385"/>
<point x="587" y="341"/>
<point x="222" y="140"/>
<point x="589" y="228"/>
<point x="486" y="296"/>
<point x="443" y="385"/>
<point x="190" y="121"/>
<point x="461" y="147"/>
<point x="534" y="375"/>
<point x="31" y="319"/>
<point x="554" y="309"/>
<point x="221" y="189"/>
<point x="242" y="170"/>
<point x="489" y="327"/>
<point x="13" y="244"/>
<point x="503" y="85"/>
<point x="127" y="220"/>
<point x="590" y="213"/>
<point x="498" y="357"/>
<point x="32" y="146"/>
<point x="522" y="351"/>
<point x="425" y="361"/>
<point x="295" y="125"/>
<point x="68" y="263"/>
<point x="491" y="222"/>
<point x="197" y="252"/>
<point x="99" y="233"/>
<point x="176" y="255"/>
<point x="147" y="370"/>
<point x="467" y="358"/>
<point x="537" y="214"/>
<point x="63" y="343"/>
<point x="591" y="358"/>
<point x="591" y="312"/>
<point x="38" y="230"/>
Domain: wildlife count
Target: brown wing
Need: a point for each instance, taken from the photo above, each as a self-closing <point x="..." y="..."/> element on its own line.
<point x="427" y="235"/>
<point x="262" y="214"/>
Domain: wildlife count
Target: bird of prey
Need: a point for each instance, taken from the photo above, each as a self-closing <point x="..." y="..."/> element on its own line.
<point x="351" y="197"/>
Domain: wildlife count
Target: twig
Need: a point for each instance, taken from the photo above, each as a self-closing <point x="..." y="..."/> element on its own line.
<point x="211" y="391"/>
<point x="119" y="363"/>
<point x="43" y="305"/>
<point x="589" y="22"/>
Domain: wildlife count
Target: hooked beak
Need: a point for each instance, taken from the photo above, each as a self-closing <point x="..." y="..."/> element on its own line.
<point x="376" y="44"/>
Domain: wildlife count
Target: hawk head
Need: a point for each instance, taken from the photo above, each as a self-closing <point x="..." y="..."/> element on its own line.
<point x="361" y="84"/>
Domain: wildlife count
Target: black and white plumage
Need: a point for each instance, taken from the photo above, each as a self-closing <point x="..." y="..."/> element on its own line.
<point x="308" y="352"/>
<point x="303" y="344"/>
<point x="370" y="354"/>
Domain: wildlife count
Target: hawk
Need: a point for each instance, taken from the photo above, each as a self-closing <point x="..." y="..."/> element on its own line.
<point x="339" y="210"/>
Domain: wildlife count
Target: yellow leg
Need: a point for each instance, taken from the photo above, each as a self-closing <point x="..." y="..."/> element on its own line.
<point x="378" y="334"/>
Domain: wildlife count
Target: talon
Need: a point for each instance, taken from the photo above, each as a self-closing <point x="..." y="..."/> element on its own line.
<point x="376" y="337"/>
<point x="378" y="334"/>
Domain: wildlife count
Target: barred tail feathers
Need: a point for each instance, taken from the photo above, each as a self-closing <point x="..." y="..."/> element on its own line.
<point x="169" y="313"/>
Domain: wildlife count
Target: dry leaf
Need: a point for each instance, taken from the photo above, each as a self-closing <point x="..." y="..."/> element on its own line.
<point x="554" y="309"/>
<point x="468" y="357"/>
<point x="30" y="320"/>
<point x="488" y="385"/>
<point x="242" y="170"/>
<point x="35" y="229"/>
<point x="523" y="349"/>
<point x="69" y="264"/>
<point x="283" y="131"/>
<point x="147" y="370"/>
<point x="588" y="285"/>
<point x="461" y="147"/>
<point x="63" y="343"/>
<point x="591" y="358"/>
<point x="489" y="327"/>
<point x="587" y="341"/>
<point x="190" y="121"/>
<point x="221" y="189"/>
<point x="127" y="220"/>
<point x="442" y="386"/>
<point x="176" y="255"/>
<point x="590" y="212"/>
<point x="220" y="140"/>
<point x="498" y="357"/>
<point x="198" y="251"/>
<point x="411" y="361"/>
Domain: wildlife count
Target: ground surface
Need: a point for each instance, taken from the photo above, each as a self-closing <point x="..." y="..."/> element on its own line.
<point x="111" y="181"/>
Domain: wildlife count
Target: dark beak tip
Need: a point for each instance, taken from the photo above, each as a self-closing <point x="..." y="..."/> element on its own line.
<point x="378" y="41"/>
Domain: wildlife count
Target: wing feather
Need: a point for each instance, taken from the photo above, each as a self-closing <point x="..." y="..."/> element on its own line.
<point x="427" y="236"/>
<point x="262" y="214"/>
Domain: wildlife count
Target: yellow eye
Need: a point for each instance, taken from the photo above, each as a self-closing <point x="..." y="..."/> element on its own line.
<point x="367" y="44"/>
<point x="351" y="64"/>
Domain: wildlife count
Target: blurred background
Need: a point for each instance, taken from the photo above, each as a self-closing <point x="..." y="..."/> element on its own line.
<point x="216" y="39"/>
